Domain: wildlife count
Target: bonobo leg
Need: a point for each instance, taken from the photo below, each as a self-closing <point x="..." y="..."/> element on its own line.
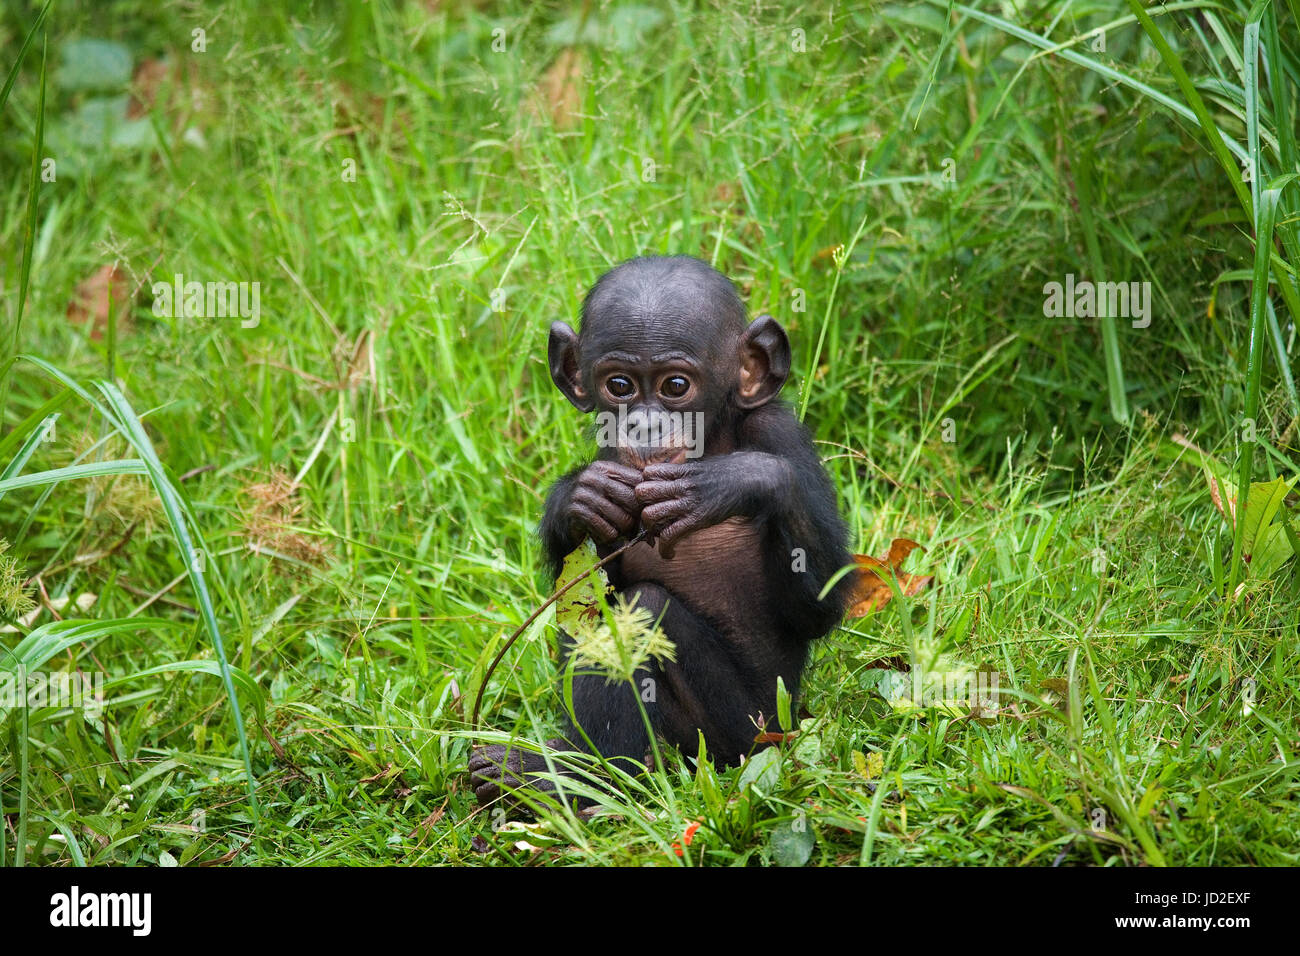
<point x="705" y="689"/>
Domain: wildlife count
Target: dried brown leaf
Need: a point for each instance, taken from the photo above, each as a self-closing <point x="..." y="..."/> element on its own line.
<point x="107" y="287"/>
<point x="871" y="590"/>
<point x="146" y="81"/>
<point x="561" y="87"/>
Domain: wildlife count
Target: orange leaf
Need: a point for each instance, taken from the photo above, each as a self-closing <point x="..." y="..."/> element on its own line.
<point x="871" y="591"/>
<point x="768" y="737"/>
<point x="1229" y="511"/>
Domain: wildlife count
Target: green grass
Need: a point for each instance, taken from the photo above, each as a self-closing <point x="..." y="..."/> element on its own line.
<point x="398" y="375"/>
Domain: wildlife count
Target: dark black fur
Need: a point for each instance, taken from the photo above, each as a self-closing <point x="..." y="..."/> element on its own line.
<point x="737" y="611"/>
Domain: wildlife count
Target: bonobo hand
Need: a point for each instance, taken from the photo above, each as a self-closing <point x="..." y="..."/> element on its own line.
<point x="602" y="503"/>
<point x="678" y="499"/>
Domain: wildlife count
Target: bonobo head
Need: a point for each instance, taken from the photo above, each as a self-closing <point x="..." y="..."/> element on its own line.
<point x="666" y="359"/>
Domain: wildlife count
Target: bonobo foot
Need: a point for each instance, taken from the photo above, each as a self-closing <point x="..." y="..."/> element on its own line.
<point x="495" y="770"/>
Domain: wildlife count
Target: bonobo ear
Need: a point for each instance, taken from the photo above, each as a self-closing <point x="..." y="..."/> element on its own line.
<point x="764" y="362"/>
<point x="566" y="366"/>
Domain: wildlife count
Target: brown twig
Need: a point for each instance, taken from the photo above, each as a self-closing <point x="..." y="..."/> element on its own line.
<point x="478" y="698"/>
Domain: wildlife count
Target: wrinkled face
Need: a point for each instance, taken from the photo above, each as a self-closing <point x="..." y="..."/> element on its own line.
<point x="665" y="359"/>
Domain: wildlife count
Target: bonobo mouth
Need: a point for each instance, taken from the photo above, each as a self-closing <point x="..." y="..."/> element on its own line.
<point x="642" y="437"/>
<point x="639" y="457"/>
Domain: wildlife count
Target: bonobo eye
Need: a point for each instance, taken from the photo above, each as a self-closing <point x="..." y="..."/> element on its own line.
<point x="675" y="386"/>
<point x="620" y="386"/>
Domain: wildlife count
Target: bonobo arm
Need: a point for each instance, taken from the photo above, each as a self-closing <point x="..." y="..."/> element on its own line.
<point x="803" y="523"/>
<point x="776" y="479"/>
<point x="679" y="498"/>
<point x="558" y="535"/>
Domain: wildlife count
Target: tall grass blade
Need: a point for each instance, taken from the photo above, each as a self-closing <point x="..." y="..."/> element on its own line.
<point x="1264" y="218"/>
<point x="29" y="231"/>
<point x="22" y="53"/>
<point x="1209" y="128"/>
<point x="194" y="557"/>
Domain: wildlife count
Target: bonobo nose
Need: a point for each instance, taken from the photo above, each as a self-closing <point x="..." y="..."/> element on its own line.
<point x="650" y="436"/>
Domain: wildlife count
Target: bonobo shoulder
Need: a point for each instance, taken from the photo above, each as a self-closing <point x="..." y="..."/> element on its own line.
<point x="773" y="427"/>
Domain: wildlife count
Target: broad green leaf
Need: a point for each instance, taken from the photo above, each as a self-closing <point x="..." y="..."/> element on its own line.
<point x="762" y="770"/>
<point x="101" y="123"/>
<point x="583" y="600"/>
<point x="91" y="64"/>
<point x="792" y="843"/>
<point x="1261" y="508"/>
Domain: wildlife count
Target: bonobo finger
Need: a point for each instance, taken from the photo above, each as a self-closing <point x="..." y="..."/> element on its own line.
<point x="601" y="531"/>
<point x="488" y="765"/>
<point x="488" y="755"/>
<point x="615" y="514"/>
<point x="649" y="492"/>
<point x="670" y="535"/>
<point x="667" y="471"/>
<point x="656" y="516"/>
<point x="610" y="489"/>
<point x="620" y="472"/>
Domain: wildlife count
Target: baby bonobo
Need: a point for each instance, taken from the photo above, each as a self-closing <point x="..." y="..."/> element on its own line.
<point x="742" y="531"/>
